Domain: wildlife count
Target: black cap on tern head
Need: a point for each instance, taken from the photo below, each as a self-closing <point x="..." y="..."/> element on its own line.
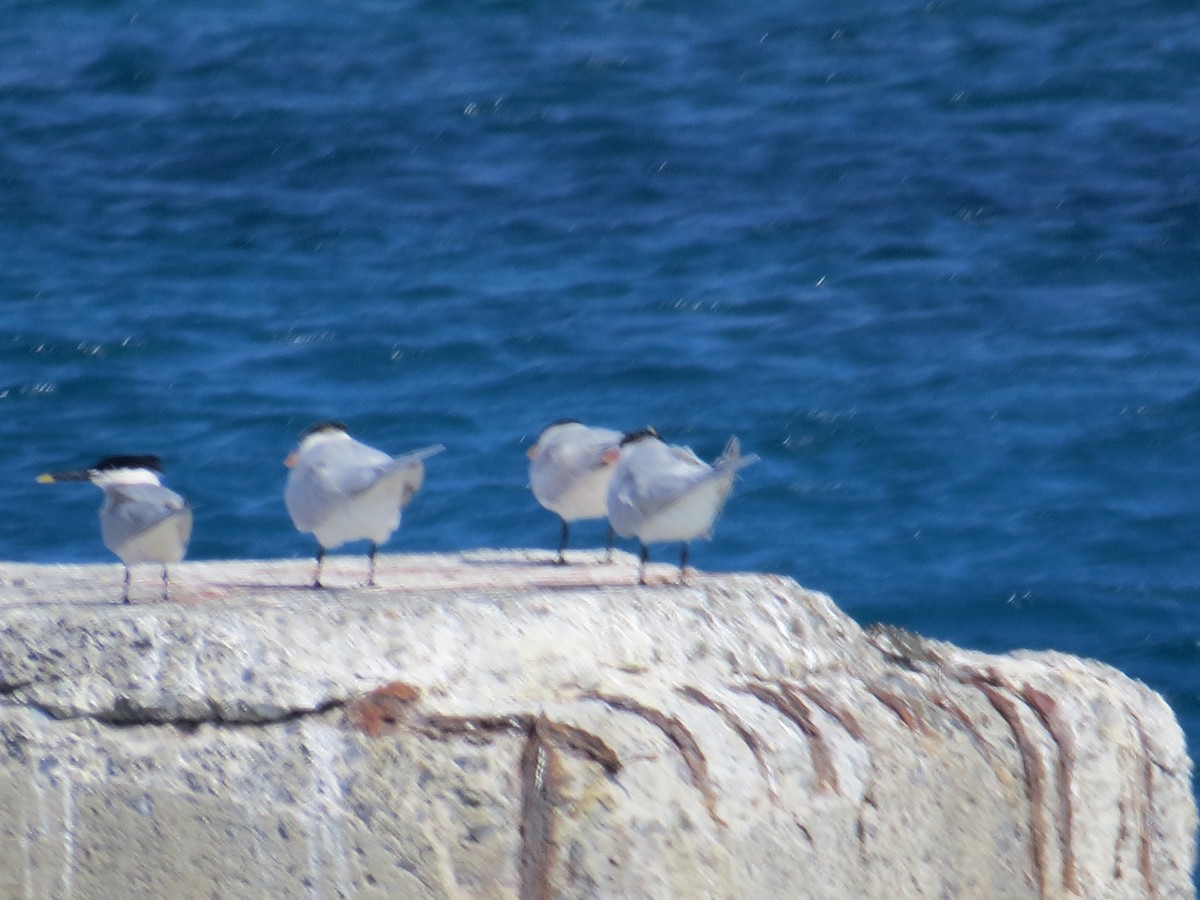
<point x="107" y="464"/>
<point x="558" y="422"/>
<point x="634" y="436"/>
<point x="331" y="425"/>
<point x="144" y="461"/>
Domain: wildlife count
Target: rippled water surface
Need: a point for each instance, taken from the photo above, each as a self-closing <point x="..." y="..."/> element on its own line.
<point x="936" y="263"/>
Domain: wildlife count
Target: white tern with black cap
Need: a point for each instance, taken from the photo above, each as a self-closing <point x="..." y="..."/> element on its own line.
<point x="140" y="519"/>
<point x="662" y="492"/>
<point x="342" y="490"/>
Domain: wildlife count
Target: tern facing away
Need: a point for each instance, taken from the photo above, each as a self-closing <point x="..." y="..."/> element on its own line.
<point x="570" y="467"/>
<point x="140" y="519"/>
<point x="341" y="490"/>
<point x="661" y="492"/>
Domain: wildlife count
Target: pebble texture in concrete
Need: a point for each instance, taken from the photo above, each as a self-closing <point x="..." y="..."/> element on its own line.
<point x="492" y="725"/>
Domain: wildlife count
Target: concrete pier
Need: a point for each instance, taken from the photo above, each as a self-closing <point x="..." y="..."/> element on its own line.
<point x="492" y="725"/>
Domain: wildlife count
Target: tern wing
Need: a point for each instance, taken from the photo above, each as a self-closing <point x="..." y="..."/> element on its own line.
<point x="320" y="485"/>
<point x="410" y="469"/>
<point x="732" y="459"/>
<point x="660" y="486"/>
<point x="354" y="477"/>
<point x="344" y="468"/>
<point x="561" y="464"/>
<point x="649" y="479"/>
<point x="656" y="488"/>
<point x="131" y="509"/>
<point x="326" y="477"/>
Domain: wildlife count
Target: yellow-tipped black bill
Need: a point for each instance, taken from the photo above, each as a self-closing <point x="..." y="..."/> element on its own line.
<point x="76" y="475"/>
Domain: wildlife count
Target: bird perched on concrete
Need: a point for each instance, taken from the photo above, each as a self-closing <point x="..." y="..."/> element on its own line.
<point x="341" y="490"/>
<point x="569" y="470"/>
<point x="661" y="492"/>
<point x="140" y="520"/>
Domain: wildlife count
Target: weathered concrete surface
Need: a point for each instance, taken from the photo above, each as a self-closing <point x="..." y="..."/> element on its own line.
<point x="489" y="725"/>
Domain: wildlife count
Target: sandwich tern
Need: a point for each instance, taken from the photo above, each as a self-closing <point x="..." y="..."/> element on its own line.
<point x="341" y="490"/>
<point x="661" y="492"/>
<point x="140" y="519"/>
<point x="570" y="467"/>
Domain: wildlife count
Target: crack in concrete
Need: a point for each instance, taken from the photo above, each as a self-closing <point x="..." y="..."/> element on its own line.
<point x="8" y="688"/>
<point x="126" y="714"/>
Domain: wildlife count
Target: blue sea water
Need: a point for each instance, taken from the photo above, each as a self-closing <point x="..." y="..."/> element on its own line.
<point x="936" y="263"/>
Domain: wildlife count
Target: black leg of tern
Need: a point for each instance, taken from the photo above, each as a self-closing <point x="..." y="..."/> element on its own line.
<point x="563" y="537"/>
<point x="612" y="540"/>
<point x="683" y="559"/>
<point x="320" y="557"/>
<point x="642" y="567"/>
<point x="371" y="565"/>
<point x="166" y="582"/>
<point x="125" y="595"/>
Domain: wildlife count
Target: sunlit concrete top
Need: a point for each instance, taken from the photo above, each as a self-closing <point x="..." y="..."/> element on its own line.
<point x="492" y="724"/>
